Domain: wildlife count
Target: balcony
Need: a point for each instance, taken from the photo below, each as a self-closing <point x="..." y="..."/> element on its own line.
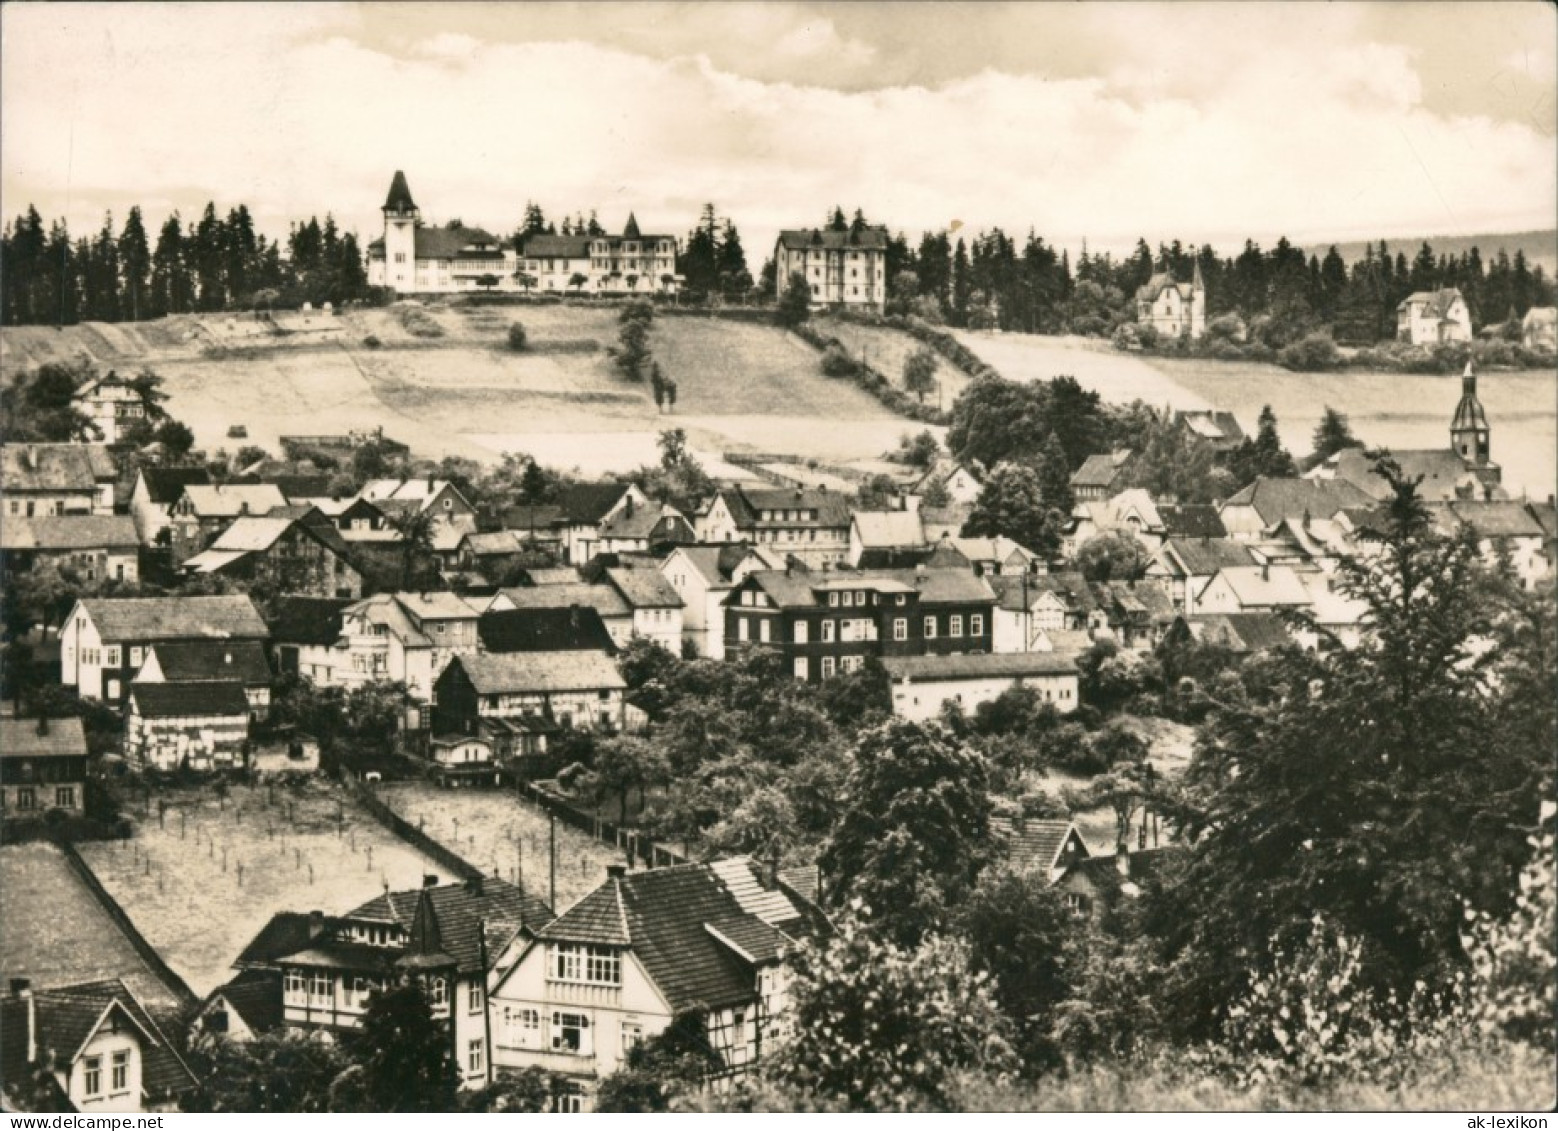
<point x="581" y="993"/>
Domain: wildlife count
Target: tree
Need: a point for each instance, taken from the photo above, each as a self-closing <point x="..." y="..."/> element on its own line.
<point x="1382" y="786"/>
<point x="920" y="451"/>
<point x="577" y="281"/>
<point x="1263" y="455"/>
<point x="1176" y="464"/>
<point x="1012" y="503"/>
<point x="675" y="1060"/>
<point x="1332" y="435"/>
<point x="919" y="372"/>
<point x="1113" y="556"/>
<point x="406" y="1056"/>
<point x="795" y="303"/>
<point x="176" y="437"/>
<point x="517" y="337"/>
<point x="914" y="831"/>
<point x="414" y="526"/>
<point x="624" y="763"/>
<point x="285" y="1070"/>
<point x="879" y="1027"/>
<point x="631" y="353"/>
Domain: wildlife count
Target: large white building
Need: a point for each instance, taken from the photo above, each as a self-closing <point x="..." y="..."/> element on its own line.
<point x="1173" y="309"/>
<point x="632" y="263"/>
<point x="847" y="269"/>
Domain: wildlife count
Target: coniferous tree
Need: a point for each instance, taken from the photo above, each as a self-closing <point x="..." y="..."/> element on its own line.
<point x="135" y="265"/>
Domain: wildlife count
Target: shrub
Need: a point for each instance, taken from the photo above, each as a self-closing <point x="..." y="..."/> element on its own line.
<point x="517" y="338"/>
<point x="419" y="323"/>
<point x="1226" y="328"/>
<point x="1314" y="353"/>
<point x="372" y="341"/>
<point x="836" y="361"/>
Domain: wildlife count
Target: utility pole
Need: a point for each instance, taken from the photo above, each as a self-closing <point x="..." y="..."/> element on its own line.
<point x="552" y="835"/>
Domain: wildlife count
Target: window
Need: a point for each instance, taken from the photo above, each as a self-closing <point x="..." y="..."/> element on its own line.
<point x="833" y="600"/>
<point x="595" y="965"/>
<point x="474" y="1056"/>
<point x="849" y="600"/>
<point x="26" y="798"/>
<point x="955" y="625"/>
<point x="473" y="998"/>
<point x="93" y="1077"/>
<point x="976" y="625"/>
<point x="321" y="986"/>
<point x="828" y="664"/>
<point x="400" y="257"/>
<point x="295" y="988"/>
<point x="522" y="1027"/>
<point x="571" y="1033"/>
<point x="763" y="627"/>
<point x="111" y="656"/>
<point x="801" y="632"/>
<point x="438" y="994"/>
<point x="65" y="797"/>
<point x="741" y="628"/>
<point x="119" y="1076"/>
<point x="827" y="631"/>
<point x="901" y="628"/>
<point x="930" y="628"/>
<point x="632" y="1035"/>
<point x="746" y="596"/>
<point x="802" y="668"/>
<point x="852" y="663"/>
<point x="137" y="656"/>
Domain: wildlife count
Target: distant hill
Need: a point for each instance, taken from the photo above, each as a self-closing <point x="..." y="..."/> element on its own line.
<point x="1541" y="247"/>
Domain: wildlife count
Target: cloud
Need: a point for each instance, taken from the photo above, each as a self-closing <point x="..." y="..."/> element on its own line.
<point x="1321" y="133"/>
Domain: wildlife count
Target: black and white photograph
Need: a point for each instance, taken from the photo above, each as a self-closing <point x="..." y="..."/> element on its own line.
<point x="778" y="557"/>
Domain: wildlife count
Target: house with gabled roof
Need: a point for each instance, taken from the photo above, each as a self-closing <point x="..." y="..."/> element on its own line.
<point x="89" y="1047"/>
<point x="246" y="1007"/>
<point x="155" y="491"/>
<point x="634" y="528"/>
<point x="1240" y="633"/>
<point x="846" y="269"/>
<point x="1259" y="508"/>
<point x="515" y="700"/>
<point x="204" y="510"/>
<point x="656" y="606"/>
<point x="705" y="940"/>
<point x="585" y="507"/>
<point x="194" y="724"/>
<point x="206" y="661"/>
<point x="43" y="766"/>
<point x="607" y="601"/>
<point x="104" y="640"/>
<point x="96" y="547"/>
<point x="1031" y="607"/>
<point x="1046" y="846"/>
<point x="403" y="637"/>
<point x="303" y="555"/>
<point x="49" y="479"/>
<point x="1253" y="589"/>
<point x="993" y="556"/>
<point x="702" y="576"/>
<point x="1172" y="308"/>
<point x="1219" y="430"/>
<point x="1426" y="318"/>
<point x="111" y="403"/>
<point x="573" y="629"/>
<point x="1101" y="475"/>
<point x="960" y="484"/>
<point x="1187" y="564"/>
<point x="885" y="539"/>
<point x="808" y="524"/>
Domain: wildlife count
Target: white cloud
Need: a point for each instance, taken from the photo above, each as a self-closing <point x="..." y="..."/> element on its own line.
<point x="1318" y="133"/>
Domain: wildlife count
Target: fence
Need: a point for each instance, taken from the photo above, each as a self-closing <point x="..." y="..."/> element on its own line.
<point x="637" y="847"/>
<point x="408" y="832"/>
<point x="109" y="904"/>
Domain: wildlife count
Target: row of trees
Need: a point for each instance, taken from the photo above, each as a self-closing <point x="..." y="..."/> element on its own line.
<point x="214" y="263"/>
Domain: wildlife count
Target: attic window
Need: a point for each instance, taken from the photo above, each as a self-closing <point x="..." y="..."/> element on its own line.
<point x="591" y="965"/>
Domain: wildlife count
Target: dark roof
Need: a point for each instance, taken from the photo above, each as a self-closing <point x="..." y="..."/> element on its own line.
<point x="459" y="912"/>
<point x="286" y="933"/>
<point x="1438" y="302"/>
<point x="1241" y="632"/>
<point x="544" y="630"/>
<point x="399" y="198"/>
<point x="1490" y="518"/>
<point x="1162" y="281"/>
<point x="665" y="915"/>
<point x="307" y="620"/>
<point x="300" y="486"/>
<point x="1100" y="470"/>
<point x="1204" y="557"/>
<point x="803" y="239"/>
<point x="1104" y="871"/>
<point x="587" y="503"/>
<point x="67" y="1015"/>
<point x="172" y="700"/>
<point x="456" y="242"/>
<point x="979" y="665"/>
<point x="255" y="995"/>
<point x="1277" y="499"/>
<point x="202" y="661"/>
<point x="521" y="672"/>
<point x="174" y="618"/>
<point x="748" y="503"/>
<point x="556" y="247"/>
<point x="525" y="518"/>
<point x="1191" y="520"/>
<point x="1036" y="843"/>
<point x="19" y="738"/>
<point x="1441" y="470"/>
<point x="1013" y="590"/>
<point x="644" y="588"/>
<point x="1220" y="429"/>
<point x="54" y="467"/>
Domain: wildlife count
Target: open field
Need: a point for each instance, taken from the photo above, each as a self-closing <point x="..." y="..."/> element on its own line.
<point x="55" y="932"/>
<point x="190" y="903"/>
<point x="498" y="831"/>
<point x="740" y="385"/>
<point x="1386" y="409"/>
<point x="886" y="350"/>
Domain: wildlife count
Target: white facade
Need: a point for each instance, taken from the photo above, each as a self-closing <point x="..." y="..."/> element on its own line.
<point x="847" y="269"/>
<point x="922" y="700"/>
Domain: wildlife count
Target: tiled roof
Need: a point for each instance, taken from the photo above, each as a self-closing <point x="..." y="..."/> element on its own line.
<point x="556" y="247"/>
<point x="306" y="620"/>
<point x="544" y="630"/>
<point x="201" y="661"/>
<point x="1159" y="283"/>
<point x="748" y="504"/>
<point x="1146" y="598"/>
<point x="1277" y="499"/>
<point x="250" y="534"/>
<point x="1441" y="470"/>
<point x="286" y="933"/>
<point x="1264" y="586"/>
<point x="399" y="198"/>
<point x="644" y="588"/>
<point x="460" y="910"/>
<point x="496" y="674"/>
<point x="457" y="243"/>
<point x="1100" y="470"/>
<point x="68" y="532"/>
<point x="189" y="698"/>
<point x="1016" y="592"/>
<point x="437" y="605"/>
<point x="255" y="995"/>
<point x="1436" y="304"/>
<point x="979" y="665"/>
<point x="1241" y="632"/>
<point x="1490" y="518"/>
<point x="54" y="467"/>
<point x="587" y="503"/>
<point x="1037" y="843"/>
<point x="494" y="544"/>
<point x="384" y="609"/>
<point x="19" y="738"/>
<point x="597" y="918"/>
<point x="1204" y="557"/>
<point x="997" y="549"/>
<point x="1191" y="520"/>
<point x="805" y="239"/>
<point x="889" y="528"/>
<point x="66" y="1016"/>
<point x="752" y="939"/>
<point x="1220" y="429"/>
<point x="653" y="523"/>
<point x="525" y="519"/>
<point x="604" y="599"/>
<point x="174" y="618"/>
<point x="546" y="575"/>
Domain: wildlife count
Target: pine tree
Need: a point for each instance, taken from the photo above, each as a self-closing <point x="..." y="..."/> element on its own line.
<point x="135" y="265"/>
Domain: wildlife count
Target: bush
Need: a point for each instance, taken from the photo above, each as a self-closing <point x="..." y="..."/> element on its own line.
<point x="836" y="361"/>
<point x="419" y="323"/>
<point x="1314" y="353"/>
<point x="517" y="338"/>
<point x="1226" y="328"/>
<point x="372" y="341"/>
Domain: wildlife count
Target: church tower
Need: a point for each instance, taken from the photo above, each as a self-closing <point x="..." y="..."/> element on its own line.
<point x="1469" y="428"/>
<point x="401" y="218"/>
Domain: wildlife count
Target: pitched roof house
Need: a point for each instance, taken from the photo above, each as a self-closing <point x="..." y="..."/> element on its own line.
<point x="155" y="491"/>
<point x="43" y="479"/>
<point x="1432" y="317"/>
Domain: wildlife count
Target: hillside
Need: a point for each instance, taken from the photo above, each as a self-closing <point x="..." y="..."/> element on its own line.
<point x="1540" y="247"/>
<point x="740" y="385"/>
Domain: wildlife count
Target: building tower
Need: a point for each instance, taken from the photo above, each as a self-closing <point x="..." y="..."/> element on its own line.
<point x="401" y="218"/>
<point x="1469" y="428"/>
<point x="1197" y="322"/>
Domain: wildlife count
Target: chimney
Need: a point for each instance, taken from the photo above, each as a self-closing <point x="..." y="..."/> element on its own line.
<point x="1265" y="571"/>
<point x="616" y="871"/>
<point x="430" y="881"/>
<point x="316" y="924"/>
<point x="474" y="885"/>
<point x="771" y="867"/>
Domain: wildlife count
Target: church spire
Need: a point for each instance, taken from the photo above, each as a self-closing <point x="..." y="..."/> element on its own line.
<point x="1469" y="433"/>
<point x="399" y="198"/>
<point x="630" y="231"/>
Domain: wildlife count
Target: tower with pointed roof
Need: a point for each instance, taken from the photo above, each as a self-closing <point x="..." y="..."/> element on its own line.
<point x="1469" y="432"/>
<point x="401" y="217"/>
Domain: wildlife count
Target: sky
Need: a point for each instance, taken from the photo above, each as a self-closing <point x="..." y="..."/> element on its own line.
<point x="1099" y="121"/>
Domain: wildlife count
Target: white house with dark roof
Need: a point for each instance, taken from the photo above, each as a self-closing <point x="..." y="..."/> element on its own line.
<point x="617" y="967"/>
<point x="43" y="766"/>
<point x="923" y="685"/>
<point x="845" y="269"/>
<point x="1172" y="308"/>
<point x="49" y="479"/>
<point x="703" y="576"/>
<point x="480" y="694"/>
<point x="1432" y="317"/>
<point x="111" y="403"/>
<point x="413" y="258"/>
<point x="96" y="547"/>
<point x="657" y="607"/>
<point x="155" y="491"/>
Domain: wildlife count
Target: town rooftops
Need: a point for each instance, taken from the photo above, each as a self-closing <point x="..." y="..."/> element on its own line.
<point x="306" y="620"/>
<point x="189" y="699"/>
<point x="201" y="661"/>
<point x="644" y="588"/>
<point x="878" y="529"/>
<point x="1101" y="470"/>
<point x="1264" y="586"/>
<point x="68" y="532"/>
<point x="604" y="599"/>
<point x="460" y="912"/>
<point x="419" y="489"/>
<point x="634" y="523"/>
<point x="697" y="929"/>
<point x="284" y="933"/>
<point x="1191" y="520"/>
<point x="1444" y="474"/>
<point x="1497" y="518"/>
<point x="820" y="239"/>
<point x="978" y="665"/>
<point x="585" y="504"/>
<point x="134" y="619"/>
<point x="1198" y="557"/>
<point x="1240" y="632"/>
<point x="544" y="630"/>
<point x="164" y="485"/>
<point x="787" y="507"/>
<point x="1018" y="592"/>
<point x="230" y="500"/>
<point x="42" y="738"/>
<point x="532" y="672"/>
<point x="1277" y="499"/>
<point x="715" y="563"/>
<point x="55" y="467"/>
<point x="437" y="605"/>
